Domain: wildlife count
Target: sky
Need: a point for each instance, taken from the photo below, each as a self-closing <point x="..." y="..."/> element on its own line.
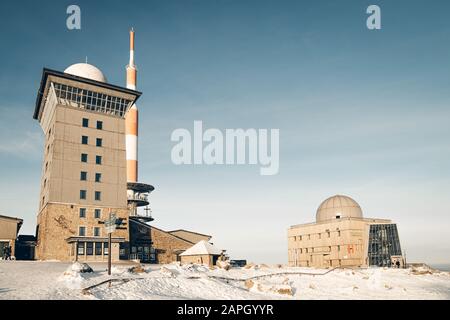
<point x="364" y="113"/>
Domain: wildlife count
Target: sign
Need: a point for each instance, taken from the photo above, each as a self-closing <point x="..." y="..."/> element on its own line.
<point x="110" y="224"/>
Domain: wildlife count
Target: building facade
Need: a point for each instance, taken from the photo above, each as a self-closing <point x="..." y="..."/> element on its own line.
<point x="84" y="166"/>
<point x="9" y="229"/>
<point x="341" y="237"/>
<point x="90" y="171"/>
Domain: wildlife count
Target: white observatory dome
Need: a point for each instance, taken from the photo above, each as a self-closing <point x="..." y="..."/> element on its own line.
<point x="337" y="207"/>
<point x="86" y="70"/>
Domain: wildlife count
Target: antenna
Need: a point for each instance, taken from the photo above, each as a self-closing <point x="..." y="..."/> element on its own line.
<point x="86" y="59"/>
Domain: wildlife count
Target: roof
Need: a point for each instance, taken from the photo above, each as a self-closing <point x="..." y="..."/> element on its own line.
<point x="191" y="232"/>
<point x="337" y="207"/>
<point x="202" y="248"/>
<point x="86" y="70"/>
<point x="49" y="72"/>
<point x="12" y="218"/>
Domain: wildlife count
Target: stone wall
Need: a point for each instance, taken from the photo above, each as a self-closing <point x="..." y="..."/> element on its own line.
<point x="58" y="222"/>
<point x="168" y="246"/>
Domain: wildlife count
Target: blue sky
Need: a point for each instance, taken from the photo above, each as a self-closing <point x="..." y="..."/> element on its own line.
<point x="362" y="113"/>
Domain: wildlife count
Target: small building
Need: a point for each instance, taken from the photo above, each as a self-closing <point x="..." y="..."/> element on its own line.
<point x="9" y="228"/>
<point x="201" y="253"/>
<point x="342" y="237"/>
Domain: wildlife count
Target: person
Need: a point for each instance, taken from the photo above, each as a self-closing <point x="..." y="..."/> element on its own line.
<point x="397" y="264"/>
<point x="8" y="253"/>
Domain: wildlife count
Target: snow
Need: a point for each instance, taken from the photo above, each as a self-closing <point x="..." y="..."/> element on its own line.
<point x="201" y="248"/>
<point x="59" y="280"/>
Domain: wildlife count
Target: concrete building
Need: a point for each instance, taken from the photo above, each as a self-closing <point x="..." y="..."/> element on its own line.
<point x="201" y="253"/>
<point x="9" y="229"/>
<point x="84" y="168"/>
<point x="90" y="171"/>
<point x="341" y="237"/>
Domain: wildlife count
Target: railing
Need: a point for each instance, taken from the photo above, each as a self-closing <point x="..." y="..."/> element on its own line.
<point x="138" y="197"/>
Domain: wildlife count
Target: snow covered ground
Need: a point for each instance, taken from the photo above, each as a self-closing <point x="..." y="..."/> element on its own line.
<point x="56" y="280"/>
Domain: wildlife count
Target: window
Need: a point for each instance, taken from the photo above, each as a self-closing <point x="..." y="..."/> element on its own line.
<point x="98" y="159"/>
<point x="309" y="237"/>
<point x="320" y="236"/>
<point x="100" y="125"/>
<point x="82" y="231"/>
<point x="300" y="238"/>
<point x="105" y="248"/>
<point x="328" y="234"/>
<point x="339" y="233"/>
<point x="83" y="176"/>
<point x="91" y="100"/>
<point x="98" y="177"/>
<point x="98" y="195"/>
<point x="339" y="248"/>
<point x="98" y="248"/>
<point x="97" y="213"/>
<point x="45" y="183"/>
<point x="85" y="122"/>
<point x="81" y="248"/>
<point x="84" y="157"/>
<point x="99" y="142"/>
<point x="46" y="166"/>
<point x="89" y="248"/>
<point x="83" y="194"/>
<point x="82" y="212"/>
<point x="338" y="216"/>
<point x="96" y="232"/>
<point x="84" y="139"/>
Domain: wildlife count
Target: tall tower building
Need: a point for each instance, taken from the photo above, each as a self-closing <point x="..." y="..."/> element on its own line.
<point x="84" y="175"/>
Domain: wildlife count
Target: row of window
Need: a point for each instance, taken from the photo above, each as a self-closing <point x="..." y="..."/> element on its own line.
<point x="308" y="236"/>
<point x="98" y="141"/>
<point x="85" y="124"/>
<point x="84" y="158"/>
<point x="97" y="213"/>
<point x="97" y="195"/>
<point x="93" y="248"/>
<point x="90" y="100"/>
<point x="84" y="176"/>
<point x="311" y="250"/>
<point x="82" y="231"/>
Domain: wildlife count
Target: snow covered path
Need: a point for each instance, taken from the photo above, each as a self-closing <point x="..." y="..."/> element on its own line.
<point x="55" y="280"/>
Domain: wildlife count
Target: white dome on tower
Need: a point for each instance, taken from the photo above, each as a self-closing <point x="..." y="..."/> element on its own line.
<point x="86" y="70"/>
<point x="337" y="207"/>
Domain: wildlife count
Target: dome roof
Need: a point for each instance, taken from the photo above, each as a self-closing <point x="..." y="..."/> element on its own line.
<point x="86" y="70"/>
<point x="338" y="206"/>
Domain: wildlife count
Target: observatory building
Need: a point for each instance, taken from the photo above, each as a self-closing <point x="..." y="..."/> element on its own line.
<point x="342" y="237"/>
<point x="90" y="171"/>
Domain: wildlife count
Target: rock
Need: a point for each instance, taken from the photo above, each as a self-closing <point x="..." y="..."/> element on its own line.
<point x="249" y="284"/>
<point x="223" y="265"/>
<point x="285" y="291"/>
<point x="80" y="267"/>
<point x="136" y="269"/>
<point x="168" y="272"/>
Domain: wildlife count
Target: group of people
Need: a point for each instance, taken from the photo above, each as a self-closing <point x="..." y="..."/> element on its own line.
<point x="7" y="253"/>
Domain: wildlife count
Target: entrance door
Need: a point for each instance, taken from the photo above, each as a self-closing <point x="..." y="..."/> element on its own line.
<point x="2" y="246"/>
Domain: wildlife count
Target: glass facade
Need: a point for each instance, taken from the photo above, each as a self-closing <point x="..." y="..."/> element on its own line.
<point x="383" y="244"/>
<point x="90" y="100"/>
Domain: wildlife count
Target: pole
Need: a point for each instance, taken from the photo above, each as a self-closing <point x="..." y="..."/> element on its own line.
<point x="110" y="253"/>
<point x="76" y="251"/>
